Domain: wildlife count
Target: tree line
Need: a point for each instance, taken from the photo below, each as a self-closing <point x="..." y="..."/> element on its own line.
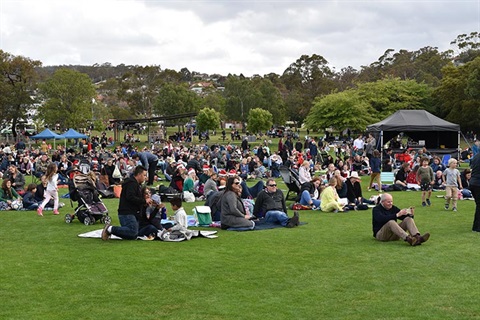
<point x="309" y="91"/>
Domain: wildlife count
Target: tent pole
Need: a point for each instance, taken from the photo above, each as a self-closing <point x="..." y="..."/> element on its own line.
<point x="458" y="147"/>
<point x="381" y="147"/>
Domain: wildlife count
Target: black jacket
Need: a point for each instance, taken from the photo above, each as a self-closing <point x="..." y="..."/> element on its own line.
<point x="380" y="216"/>
<point x="354" y="191"/>
<point x="310" y="187"/>
<point x="131" y="198"/>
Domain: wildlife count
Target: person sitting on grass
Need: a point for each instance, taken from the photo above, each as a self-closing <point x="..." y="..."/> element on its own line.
<point x="401" y="176"/>
<point x="180" y="227"/>
<point x="466" y="175"/>
<point x="29" y="202"/>
<point x="309" y="193"/>
<point x="354" y="196"/>
<point x="438" y="183"/>
<point x="233" y="214"/>
<point x="386" y="228"/>
<point x="16" y="177"/>
<point x="148" y="222"/>
<point x="329" y="197"/>
<point x="7" y="195"/>
<point x="271" y="204"/>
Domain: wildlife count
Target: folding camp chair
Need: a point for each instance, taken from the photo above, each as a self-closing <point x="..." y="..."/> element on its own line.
<point x="445" y="159"/>
<point x="387" y="177"/>
<point x="290" y="181"/>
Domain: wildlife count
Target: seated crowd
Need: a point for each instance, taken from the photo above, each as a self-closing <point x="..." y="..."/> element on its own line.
<point x="217" y="174"/>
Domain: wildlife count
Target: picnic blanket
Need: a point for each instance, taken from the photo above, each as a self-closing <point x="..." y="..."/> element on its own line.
<point x="263" y="225"/>
<point x="195" y="233"/>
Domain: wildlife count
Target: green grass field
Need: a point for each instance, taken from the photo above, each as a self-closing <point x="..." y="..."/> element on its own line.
<point x="330" y="268"/>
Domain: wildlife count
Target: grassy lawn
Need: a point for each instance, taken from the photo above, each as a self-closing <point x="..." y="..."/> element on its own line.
<point x="330" y="268"/>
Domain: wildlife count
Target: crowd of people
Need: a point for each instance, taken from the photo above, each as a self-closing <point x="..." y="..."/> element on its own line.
<point x="217" y="174"/>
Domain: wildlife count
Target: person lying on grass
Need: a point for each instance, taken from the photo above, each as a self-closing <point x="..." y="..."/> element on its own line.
<point x="386" y="228"/>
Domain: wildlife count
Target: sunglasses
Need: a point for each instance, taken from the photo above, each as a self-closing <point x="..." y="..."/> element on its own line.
<point x="236" y="182"/>
<point x="272" y="185"/>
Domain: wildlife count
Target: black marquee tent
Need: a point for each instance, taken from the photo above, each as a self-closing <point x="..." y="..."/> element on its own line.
<point x="419" y="125"/>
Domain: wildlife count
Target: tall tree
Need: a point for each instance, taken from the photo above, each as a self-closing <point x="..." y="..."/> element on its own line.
<point x="176" y="99"/>
<point x="270" y="99"/>
<point x="17" y="85"/>
<point x="423" y="65"/>
<point x="392" y="94"/>
<point x="340" y="111"/>
<point x="69" y="97"/>
<point x="214" y="99"/>
<point x="370" y="102"/>
<point x="208" y="119"/>
<point x="259" y="120"/>
<point x="467" y="46"/>
<point x="139" y="87"/>
<point x="457" y="99"/>
<point x="241" y="96"/>
<point x="309" y="77"/>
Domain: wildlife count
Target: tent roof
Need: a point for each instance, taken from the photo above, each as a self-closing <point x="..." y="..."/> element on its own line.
<point x="72" y="134"/>
<point x="47" y="134"/>
<point x="413" y="120"/>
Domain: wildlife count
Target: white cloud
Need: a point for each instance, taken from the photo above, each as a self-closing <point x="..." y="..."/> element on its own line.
<point x="249" y="37"/>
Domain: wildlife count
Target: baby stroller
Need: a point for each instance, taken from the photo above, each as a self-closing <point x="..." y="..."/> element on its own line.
<point x="90" y="208"/>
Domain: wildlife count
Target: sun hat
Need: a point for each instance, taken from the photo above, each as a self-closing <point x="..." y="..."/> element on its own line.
<point x="156" y="198"/>
<point x="354" y="174"/>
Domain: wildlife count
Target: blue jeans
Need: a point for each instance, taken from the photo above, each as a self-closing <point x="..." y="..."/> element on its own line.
<point x="253" y="191"/>
<point x="128" y="229"/>
<point x="466" y="193"/>
<point x="33" y="206"/>
<point x="242" y="228"/>
<point x="306" y="199"/>
<point x="275" y="216"/>
<point x="148" y="231"/>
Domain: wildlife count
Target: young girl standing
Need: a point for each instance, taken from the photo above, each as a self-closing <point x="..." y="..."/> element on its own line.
<point x="52" y="189"/>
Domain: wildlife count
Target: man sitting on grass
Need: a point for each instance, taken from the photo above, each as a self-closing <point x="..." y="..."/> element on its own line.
<point x="386" y="228"/>
<point x="271" y="203"/>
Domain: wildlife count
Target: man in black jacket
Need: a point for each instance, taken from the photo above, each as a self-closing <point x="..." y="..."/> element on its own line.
<point x="271" y="203"/>
<point x="131" y="202"/>
<point x="386" y="228"/>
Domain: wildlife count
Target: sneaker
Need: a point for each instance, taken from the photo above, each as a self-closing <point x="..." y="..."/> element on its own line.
<point x="40" y="211"/>
<point x="454" y="209"/>
<point x="446" y="207"/>
<point x="55" y="212"/>
<point x="411" y="240"/>
<point x="293" y="222"/>
<point x="424" y="204"/>
<point x="428" y="202"/>
<point x="105" y="234"/>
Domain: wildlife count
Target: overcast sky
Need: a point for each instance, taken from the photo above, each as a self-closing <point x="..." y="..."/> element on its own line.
<point x="249" y="37"/>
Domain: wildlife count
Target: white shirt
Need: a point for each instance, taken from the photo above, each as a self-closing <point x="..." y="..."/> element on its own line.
<point x="358" y="143"/>
<point x="52" y="183"/>
<point x="304" y="175"/>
